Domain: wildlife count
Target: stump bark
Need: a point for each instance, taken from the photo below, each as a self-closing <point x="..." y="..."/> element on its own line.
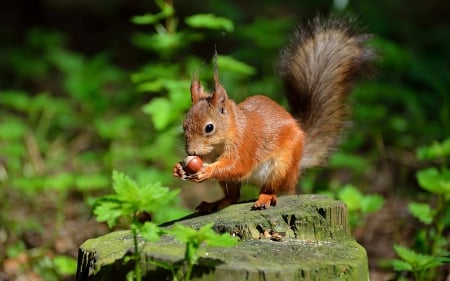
<point x="316" y="244"/>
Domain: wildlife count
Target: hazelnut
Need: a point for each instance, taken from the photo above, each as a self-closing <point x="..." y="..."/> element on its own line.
<point x="192" y="164"/>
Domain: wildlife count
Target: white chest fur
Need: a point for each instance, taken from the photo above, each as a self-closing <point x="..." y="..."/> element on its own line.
<point x="261" y="174"/>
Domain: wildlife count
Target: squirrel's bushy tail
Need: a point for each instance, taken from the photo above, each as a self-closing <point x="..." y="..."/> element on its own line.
<point x="318" y="68"/>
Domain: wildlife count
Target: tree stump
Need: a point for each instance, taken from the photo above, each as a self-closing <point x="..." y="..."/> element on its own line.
<point x="313" y="242"/>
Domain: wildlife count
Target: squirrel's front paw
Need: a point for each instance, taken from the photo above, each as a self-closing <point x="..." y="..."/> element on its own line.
<point x="179" y="172"/>
<point x="202" y="175"/>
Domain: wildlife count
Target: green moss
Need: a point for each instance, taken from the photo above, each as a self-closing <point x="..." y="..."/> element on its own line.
<point x="316" y="244"/>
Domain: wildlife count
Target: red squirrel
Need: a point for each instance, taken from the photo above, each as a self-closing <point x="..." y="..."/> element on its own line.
<point x="258" y="141"/>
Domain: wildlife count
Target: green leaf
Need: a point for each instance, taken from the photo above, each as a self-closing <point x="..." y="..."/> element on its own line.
<point x="371" y="203"/>
<point x="125" y="188"/>
<point x="88" y="182"/>
<point x="12" y="129"/>
<point x="182" y="233"/>
<point x="62" y="181"/>
<point x="210" y="21"/>
<point x="238" y="67"/>
<point x="17" y="100"/>
<point x="406" y="254"/>
<point x="418" y="262"/>
<point x="400" y="265"/>
<point x="108" y="209"/>
<point x="346" y="160"/>
<point x="147" y="18"/>
<point x="150" y="231"/>
<point x="160" y="110"/>
<point x="351" y="196"/>
<point x="65" y="265"/>
<point x="422" y="212"/>
<point x="434" y="181"/>
<point x="435" y="150"/>
<point x="13" y="250"/>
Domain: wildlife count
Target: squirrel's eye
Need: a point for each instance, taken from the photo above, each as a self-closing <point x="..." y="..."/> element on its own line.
<point x="209" y="128"/>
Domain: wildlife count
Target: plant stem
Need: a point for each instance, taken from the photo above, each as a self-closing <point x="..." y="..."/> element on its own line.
<point x="189" y="271"/>
<point x="137" y="256"/>
<point x="441" y="205"/>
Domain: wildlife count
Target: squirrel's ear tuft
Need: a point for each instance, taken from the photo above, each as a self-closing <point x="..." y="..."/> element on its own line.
<point x="219" y="96"/>
<point x="197" y="92"/>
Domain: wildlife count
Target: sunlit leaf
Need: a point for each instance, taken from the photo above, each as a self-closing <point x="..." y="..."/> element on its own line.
<point x="435" y="150"/>
<point x="230" y="63"/>
<point x="210" y="21"/>
<point x="400" y="265"/>
<point x="161" y="111"/>
<point x="372" y="203"/>
<point x="435" y="181"/>
<point x="150" y="231"/>
<point x="65" y="265"/>
<point x="351" y="196"/>
<point x="422" y="212"/>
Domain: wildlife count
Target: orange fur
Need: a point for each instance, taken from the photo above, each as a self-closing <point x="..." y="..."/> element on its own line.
<point x="257" y="140"/>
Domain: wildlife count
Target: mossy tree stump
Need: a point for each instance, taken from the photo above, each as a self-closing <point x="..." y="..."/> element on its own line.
<point x="315" y="244"/>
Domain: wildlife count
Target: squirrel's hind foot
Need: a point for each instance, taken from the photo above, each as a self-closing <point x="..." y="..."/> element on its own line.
<point x="265" y="201"/>
<point x="210" y="207"/>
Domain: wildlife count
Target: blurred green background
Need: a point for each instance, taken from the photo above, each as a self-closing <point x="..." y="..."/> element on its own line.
<point x="88" y="87"/>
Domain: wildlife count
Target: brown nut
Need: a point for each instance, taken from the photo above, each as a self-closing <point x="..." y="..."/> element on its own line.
<point x="192" y="164"/>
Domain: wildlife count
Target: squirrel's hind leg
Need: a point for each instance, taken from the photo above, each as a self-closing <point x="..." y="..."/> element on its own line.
<point x="232" y="191"/>
<point x="284" y="178"/>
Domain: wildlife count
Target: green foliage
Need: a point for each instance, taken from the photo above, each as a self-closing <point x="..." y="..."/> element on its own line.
<point x="435" y="151"/>
<point x="168" y="81"/>
<point x="435" y="181"/>
<point x="422" y="212"/>
<point x="65" y="265"/>
<point x="210" y="21"/>
<point x="358" y="204"/>
<point x="436" y="218"/>
<point x="131" y="199"/>
<point x="195" y="238"/>
<point x="420" y="265"/>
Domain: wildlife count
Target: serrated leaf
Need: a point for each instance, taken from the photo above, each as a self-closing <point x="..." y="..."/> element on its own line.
<point x="422" y="212"/>
<point x="222" y="240"/>
<point x="125" y="188"/>
<point x="150" y="231"/>
<point x="400" y="265"/>
<point x="406" y="254"/>
<point x="131" y="198"/>
<point x="418" y="262"/>
<point x="108" y="210"/>
<point x="210" y="21"/>
<point x="182" y="233"/>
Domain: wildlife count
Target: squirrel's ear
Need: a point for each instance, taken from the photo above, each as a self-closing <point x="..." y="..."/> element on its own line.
<point x="197" y="92"/>
<point x="219" y="96"/>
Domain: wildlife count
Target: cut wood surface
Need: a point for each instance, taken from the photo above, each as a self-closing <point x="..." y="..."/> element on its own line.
<point x="305" y="237"/>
